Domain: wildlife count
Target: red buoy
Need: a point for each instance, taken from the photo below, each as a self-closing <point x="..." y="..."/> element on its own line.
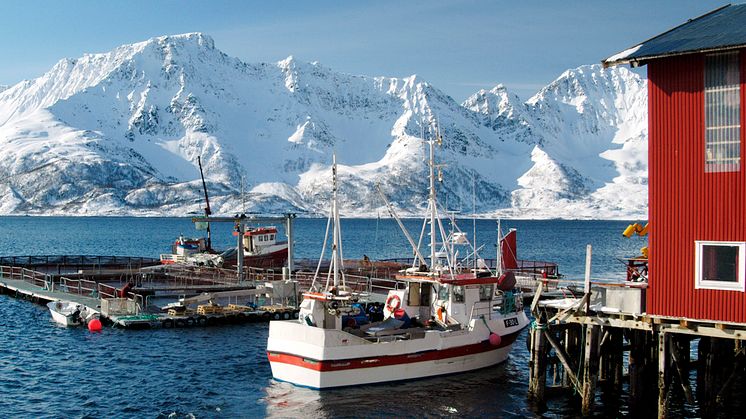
<point x="95" y="325"/>
<point x="495" y="339"/>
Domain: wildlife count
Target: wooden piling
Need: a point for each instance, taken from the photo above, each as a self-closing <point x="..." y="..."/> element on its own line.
<point x="636" y="366"/>
<point x="590" y="368"/>
<point x="618" y="358"/>
<point x="680" y="356"/>
<point x="662" y="374"/>
<point x="538" y="362"/>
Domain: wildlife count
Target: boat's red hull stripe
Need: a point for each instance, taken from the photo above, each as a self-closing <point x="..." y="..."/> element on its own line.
<point x="358" y="363"/>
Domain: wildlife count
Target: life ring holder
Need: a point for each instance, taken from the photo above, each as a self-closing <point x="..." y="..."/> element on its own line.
<point x="393" y="302"/>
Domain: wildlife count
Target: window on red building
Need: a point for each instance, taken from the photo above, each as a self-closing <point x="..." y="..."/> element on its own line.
<point x="720" y="265"/>
<point x="722" y="113"/>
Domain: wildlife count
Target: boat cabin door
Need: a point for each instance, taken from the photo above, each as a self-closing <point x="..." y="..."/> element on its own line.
<point x="248" y="243"/>
<point x="420" y="298"/>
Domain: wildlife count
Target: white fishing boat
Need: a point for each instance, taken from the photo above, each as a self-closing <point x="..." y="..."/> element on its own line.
<point x="448" y="317"/>
<point x="68" y="313"/>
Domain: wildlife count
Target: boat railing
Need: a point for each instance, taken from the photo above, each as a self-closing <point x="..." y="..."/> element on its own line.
<point x="355" y="283"/>
<point x="481" y="309"/>
<point x="539" y="267"/>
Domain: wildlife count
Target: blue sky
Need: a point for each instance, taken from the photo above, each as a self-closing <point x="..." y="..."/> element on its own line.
<point x="458" y="46"/>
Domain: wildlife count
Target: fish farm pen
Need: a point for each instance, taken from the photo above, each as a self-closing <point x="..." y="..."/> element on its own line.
<point x="124" y="289"/>
<point x="136" y="293"/>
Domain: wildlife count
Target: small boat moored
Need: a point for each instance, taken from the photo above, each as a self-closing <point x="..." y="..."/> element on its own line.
<point x="68" y="313"/>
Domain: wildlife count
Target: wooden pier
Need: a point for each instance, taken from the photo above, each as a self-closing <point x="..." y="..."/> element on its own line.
<point x="582" y="347"/>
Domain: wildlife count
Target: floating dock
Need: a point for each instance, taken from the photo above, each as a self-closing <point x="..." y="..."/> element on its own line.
<point x="40" y="288"/>
<point x="123" y="292"/>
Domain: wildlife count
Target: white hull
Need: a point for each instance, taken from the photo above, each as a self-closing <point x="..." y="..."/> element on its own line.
<point x="327" y="358"/>
<point x="62" y="313"/>
<point x="308" y="378"/>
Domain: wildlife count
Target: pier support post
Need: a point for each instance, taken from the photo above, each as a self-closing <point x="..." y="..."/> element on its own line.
<point x="663" y="351"/>
<point x="538" y="362"/>
<point x="680" y="354"/>
<point x="590" y="368"/>
<point x="637" y="353"/>
<point x="618" y="358"/>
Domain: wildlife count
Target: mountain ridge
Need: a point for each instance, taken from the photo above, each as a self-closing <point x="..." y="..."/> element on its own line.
<point x="118" y="133"/>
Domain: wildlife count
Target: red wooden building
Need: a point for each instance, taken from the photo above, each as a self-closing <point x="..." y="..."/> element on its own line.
<point x="697" y="178"/>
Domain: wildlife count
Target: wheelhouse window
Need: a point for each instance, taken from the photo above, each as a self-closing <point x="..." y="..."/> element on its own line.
<point x="458" y="294"/>
<point x="720" y="265"/>
<point x="443" y="292"/>
<point x="722" y="113"/>
<point x="485" y="292"/>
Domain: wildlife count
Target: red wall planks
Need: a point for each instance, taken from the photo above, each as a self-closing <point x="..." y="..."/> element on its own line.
<point x="687" y="204"/>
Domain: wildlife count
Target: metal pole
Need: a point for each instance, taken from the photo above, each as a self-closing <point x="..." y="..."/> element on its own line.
<point x="289" y="228"/>
<point x="587" y="283"/>
<point x="431" y="165"/>
<point x="335" y="230"/>
<point x="239" y="250"/>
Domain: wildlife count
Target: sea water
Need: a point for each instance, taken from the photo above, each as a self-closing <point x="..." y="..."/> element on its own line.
<point x="50" y="371"/>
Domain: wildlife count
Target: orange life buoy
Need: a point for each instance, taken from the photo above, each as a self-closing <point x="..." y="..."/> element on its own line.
<point x="393" y="302"/>
<point x="441" y="313"/>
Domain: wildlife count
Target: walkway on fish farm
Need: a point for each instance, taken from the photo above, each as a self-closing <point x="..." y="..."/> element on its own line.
<point x="40" y="288"/>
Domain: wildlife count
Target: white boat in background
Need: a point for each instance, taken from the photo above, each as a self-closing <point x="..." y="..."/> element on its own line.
<point x="68" y="313"/>
<point x="449" y="317"/>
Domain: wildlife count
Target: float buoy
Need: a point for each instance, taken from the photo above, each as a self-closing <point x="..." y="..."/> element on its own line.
<point x="495" y="339"/>
<point x="95" y="325"/>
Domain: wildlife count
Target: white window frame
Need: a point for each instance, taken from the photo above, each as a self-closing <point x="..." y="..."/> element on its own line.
<point x="700" y="283"/>
<point x="722" y="118"/>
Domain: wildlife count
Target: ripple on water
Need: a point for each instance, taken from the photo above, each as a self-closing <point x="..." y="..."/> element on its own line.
<point x="223" y="371"/>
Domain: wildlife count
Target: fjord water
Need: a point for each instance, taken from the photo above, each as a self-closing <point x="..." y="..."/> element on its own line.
<point x="46" y="370"/>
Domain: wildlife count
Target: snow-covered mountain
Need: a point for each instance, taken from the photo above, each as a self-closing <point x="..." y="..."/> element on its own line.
<point x="120" y="133"/>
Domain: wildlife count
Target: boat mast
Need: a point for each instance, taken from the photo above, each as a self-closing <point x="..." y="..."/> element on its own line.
<point x="336" y="233"/>
<point x="474" y="216"/>
<point x="208" y="212"/>
<point x="431" y="202"/>
<point x="499" y="256"/>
